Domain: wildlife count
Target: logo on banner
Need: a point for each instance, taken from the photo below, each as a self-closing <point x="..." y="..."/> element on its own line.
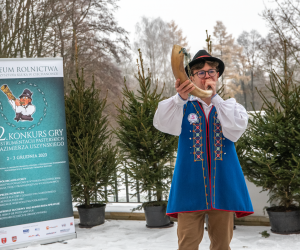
<point x="65" y="230"/>
<point x="3" y="232"/>
<point x="37" y="229"/>
<point x="63" y="225"/>
<point x="47" y="227"/>
<point x="30" y="236"/>
<point x="193" y="118"/>
<point x="4" y="240"/>
<point x="51" y="233"/>
<point x="14" y="238"/>
<point x="25" y="231"/>
<point x="71" y="223"/>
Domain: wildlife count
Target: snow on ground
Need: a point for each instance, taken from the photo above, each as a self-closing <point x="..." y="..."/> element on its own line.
<point x="133" y="235"/>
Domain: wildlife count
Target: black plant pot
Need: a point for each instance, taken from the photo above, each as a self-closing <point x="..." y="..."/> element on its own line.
<point x="284" y="222"/>
<point x="156" y="217"/>
<point x="93" y="216"/>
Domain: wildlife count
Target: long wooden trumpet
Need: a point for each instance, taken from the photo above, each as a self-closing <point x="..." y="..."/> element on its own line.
<point x="5" y="89"/>
<point x="179" y="72"/>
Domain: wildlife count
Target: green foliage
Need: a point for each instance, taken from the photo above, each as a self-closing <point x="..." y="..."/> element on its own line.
<point x="269" y="150"/>
<point x="93" y="160"/>
<point x="146" y="151"/>
<point x="151" y="204"/>
<point x="265" y="234"/>
<point x="208" y="43"/>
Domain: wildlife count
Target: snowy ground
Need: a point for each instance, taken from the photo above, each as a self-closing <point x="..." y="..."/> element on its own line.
<point x="133" y="235"/>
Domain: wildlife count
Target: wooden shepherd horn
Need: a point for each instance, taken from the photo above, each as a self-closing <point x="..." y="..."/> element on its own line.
<point x="179" y="72"/>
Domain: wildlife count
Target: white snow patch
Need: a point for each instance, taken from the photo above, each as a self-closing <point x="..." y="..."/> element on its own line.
<point x="133" y="235"/>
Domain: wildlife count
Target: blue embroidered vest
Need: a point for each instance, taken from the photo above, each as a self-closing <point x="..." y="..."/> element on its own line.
<point x="207" y="173"/>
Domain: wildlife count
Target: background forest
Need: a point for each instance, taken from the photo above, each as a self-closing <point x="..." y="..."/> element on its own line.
<point x="86" y="34"/>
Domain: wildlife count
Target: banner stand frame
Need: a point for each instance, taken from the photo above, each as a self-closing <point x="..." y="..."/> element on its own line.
<point x="51" y="203"/>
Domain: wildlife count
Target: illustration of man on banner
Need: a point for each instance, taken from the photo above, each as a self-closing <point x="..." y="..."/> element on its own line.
<point x="23" y="107"/>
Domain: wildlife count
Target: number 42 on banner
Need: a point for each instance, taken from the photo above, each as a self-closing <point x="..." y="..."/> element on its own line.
<point x="1" y="134"/>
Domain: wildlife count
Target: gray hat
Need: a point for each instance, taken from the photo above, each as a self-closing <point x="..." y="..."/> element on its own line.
<point x="26" y="93"/>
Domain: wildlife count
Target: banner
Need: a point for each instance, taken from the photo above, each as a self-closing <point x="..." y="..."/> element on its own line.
<point x="35" y="193"/>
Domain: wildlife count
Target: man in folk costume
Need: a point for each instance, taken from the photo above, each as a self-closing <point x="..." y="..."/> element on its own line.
<point x="23" y="107"/>
<point x="208" y="178"/>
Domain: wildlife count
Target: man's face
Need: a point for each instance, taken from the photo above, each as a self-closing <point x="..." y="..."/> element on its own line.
<point x="25" y="100"/>
<point x="200" y="82"/>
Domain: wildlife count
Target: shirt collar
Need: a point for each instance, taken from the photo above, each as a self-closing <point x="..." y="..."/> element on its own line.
<point x="194" y="98"/>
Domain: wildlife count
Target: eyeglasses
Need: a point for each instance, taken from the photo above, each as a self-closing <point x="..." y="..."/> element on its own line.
<point x="202" y="73"/>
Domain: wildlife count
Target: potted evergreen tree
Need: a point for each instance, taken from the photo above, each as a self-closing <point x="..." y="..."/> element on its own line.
<point x="269" y="150"/>
<point x="93" y="159"/>
<point x="147" y="151"/>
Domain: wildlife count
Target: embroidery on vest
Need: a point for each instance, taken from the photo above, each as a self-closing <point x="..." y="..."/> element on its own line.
<point x="197" y="138"/>
<point x="218" y="138"/>
<point x="184" y="108"/>
<point x="218" y="144"/>
<point x="198" y="150"/>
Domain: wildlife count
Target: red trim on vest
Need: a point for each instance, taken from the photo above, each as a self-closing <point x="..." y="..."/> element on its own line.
<point x="238" y="214"/>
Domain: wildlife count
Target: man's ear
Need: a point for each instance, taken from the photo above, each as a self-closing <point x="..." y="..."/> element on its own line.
<point x="192" y="78"/>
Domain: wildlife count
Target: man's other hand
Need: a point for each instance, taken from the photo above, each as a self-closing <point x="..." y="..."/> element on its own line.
<point x="211" y="84"/>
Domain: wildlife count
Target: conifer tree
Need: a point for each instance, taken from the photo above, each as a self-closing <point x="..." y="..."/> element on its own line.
<point x="93" y="159"/>
<point x="146" y="150"/>
<point x="269" y="149"/>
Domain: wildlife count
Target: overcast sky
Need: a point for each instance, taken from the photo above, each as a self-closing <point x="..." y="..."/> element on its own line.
<point x="195" y="16"/>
